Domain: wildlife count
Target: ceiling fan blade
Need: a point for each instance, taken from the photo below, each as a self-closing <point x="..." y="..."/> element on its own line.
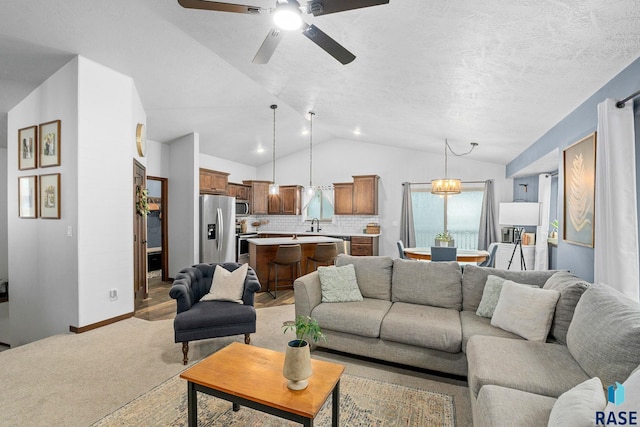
<point x="325" y="7"/>
<point x="219" y="7"/>
<point x="268" y="46"/>
<point x="331" y="46"/>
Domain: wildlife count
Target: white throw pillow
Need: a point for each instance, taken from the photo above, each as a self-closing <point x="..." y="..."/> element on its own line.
<point x="631" y="396"/>
<point x="525" y="311"/>
<point x="227" y="285"/>
<point x="578" y="406"/>
<point x="491" y="295"/>
<point x="339" y="284"/>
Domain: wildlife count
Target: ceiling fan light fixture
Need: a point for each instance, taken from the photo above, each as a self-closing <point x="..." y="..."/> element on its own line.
<point x="287" y="17"/>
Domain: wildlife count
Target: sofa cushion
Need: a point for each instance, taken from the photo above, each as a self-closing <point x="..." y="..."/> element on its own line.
<point x="571" y="289"/>
<point x="359" y="318"/>
<point x="525" y="311"/>
<point x="491" y="295"/>
<point x="339" y="284"/>
<point x="472" y="324"/>
<point x="604" y="335"/>
<point x="474" y="279"/>
<point x="373" y="274"/>
<point x="436" y="284"/>
<point x="536" y="367"/>
<point x="577" y="407"/>
<point x="424" y="326"/>
<point x="500" y="406"/>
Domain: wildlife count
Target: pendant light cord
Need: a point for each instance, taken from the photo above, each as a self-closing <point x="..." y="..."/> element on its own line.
<point x="311" y="149"/>
<point x="273" y="107"/>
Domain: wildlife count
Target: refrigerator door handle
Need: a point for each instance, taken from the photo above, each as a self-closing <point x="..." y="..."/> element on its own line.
<point x="221" y="229"/>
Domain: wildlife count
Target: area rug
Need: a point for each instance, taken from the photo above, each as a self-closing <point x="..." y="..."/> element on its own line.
<point x="363" y="402"/>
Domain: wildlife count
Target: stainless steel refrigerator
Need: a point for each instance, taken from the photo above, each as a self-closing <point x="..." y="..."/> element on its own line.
<point x="217" y="229"/>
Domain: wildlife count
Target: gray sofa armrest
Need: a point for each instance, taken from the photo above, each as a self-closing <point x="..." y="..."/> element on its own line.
<point x="307" y="293"/>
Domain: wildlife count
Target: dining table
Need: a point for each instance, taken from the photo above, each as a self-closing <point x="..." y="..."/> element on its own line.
<point x="462" y="255"/>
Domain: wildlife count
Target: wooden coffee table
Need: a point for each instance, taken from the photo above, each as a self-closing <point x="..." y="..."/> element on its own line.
<point x="252" y="377"/>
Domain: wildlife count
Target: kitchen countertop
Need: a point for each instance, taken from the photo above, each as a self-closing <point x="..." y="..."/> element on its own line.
<point x="270" y="241"/>
<point x="321" y="233"/>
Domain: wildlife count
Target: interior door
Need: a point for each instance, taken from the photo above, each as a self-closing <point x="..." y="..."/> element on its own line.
<point x="139" y="238"/>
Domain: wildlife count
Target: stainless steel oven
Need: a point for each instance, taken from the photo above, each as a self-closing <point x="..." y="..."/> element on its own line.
<point x="242" y="246"/>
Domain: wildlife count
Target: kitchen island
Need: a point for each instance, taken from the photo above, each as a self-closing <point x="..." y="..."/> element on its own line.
<point x="263" y="250"/>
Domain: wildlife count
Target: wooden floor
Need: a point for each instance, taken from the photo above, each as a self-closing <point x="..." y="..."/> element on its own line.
<point x="160" y="306"/>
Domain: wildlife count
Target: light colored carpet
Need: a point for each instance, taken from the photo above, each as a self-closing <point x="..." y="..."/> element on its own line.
<point x="77" y="379"/>
<point x="363" y="403"/>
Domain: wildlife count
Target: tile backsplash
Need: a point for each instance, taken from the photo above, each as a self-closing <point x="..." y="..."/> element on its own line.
<point x="349" y="224"/>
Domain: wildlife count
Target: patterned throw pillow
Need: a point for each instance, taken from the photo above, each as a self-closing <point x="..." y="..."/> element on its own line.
<point x="339" y="284"/>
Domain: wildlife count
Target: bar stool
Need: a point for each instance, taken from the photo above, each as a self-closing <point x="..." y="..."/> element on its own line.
<point x="325" y="254"/>
<point x="286" y="255"/>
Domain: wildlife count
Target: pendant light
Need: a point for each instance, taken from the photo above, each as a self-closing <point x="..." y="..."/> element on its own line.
<point x="273" y="187"/>
<point x="311" y="189"/>
<point x="447" y="186"/>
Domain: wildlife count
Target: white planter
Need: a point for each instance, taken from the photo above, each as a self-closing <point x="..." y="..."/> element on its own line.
<point x="297" y="365"/>
<point x="443" y="243"/>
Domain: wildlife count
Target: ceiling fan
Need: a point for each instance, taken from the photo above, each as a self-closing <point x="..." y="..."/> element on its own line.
<point x="287" y="15"/>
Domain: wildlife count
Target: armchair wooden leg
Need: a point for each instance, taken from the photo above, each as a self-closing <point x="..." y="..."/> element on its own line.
<point x="247" y="339"/>
<point x="185" y="352"/>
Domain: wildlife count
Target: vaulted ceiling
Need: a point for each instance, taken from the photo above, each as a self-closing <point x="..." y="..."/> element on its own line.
<point x="493" y="72"/>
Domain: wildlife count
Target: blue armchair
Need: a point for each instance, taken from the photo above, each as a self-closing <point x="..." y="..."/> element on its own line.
<point x="197" y="320"/>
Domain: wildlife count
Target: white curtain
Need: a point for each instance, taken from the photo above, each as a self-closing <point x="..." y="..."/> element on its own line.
<point x="542" y="232"/>
<point x="616" y="218"/>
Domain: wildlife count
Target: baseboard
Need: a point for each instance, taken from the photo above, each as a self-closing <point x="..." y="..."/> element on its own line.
<point x="79" y="330"/>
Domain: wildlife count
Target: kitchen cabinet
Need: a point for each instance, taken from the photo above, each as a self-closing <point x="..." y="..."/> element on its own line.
<point x="364" y="246"/>
<point x="287" y="202"/>
<point x="365" y="195"/>
<point x="343" y="198"/>
<point x="213" y="182"/>
<point x="239" y="191"/>
<point x="503" y="255"/>
<point x="259" y="196"/>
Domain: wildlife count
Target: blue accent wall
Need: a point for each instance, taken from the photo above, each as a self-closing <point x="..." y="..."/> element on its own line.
<point x="578" y="124"/>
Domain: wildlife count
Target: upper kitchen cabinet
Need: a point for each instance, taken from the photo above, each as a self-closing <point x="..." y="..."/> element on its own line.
<point x="213" y="182"/>
<point x="239" y="191"/>
<point x="259" y="196"/>
<point x="357" y="198"/>
<point x="288" y="202"/>
<point x="343" y="198"/>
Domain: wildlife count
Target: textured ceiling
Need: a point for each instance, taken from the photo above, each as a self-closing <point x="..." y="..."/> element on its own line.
<point x="497" y="73"/>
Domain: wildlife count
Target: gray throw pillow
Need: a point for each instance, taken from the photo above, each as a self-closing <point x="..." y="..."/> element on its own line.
<point x="525" y="311"/>
<point x="339" y="284"/>
<point x="604" y="335"/>
<point x="491" y="294"/>
<point x="571" y="289"/>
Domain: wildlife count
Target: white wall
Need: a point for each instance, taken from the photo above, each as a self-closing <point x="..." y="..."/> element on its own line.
<point x="339" y="160"/>
<point x="43" y="275"/>
<point x="158" y="159"/>
<point x="5" y="333"/>
<point x="108" y="110"/>
<point x="183" y="203"/>
<point x="237" y="171"/>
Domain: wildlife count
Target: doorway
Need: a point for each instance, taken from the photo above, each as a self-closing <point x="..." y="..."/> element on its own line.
<point x="157" y="229"/>
<point x="139" y="237"/>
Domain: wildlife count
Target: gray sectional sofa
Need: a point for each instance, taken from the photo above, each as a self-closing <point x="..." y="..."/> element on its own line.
<point x="424" y="315"/>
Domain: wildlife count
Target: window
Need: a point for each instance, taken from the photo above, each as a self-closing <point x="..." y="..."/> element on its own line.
<point x="320" y="205"/>
<point x="459" y="214"/>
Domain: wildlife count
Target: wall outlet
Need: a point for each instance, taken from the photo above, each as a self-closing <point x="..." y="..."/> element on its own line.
<point x="113" y="294"/>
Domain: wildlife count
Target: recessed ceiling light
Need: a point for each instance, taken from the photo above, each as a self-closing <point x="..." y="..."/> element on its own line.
<point x="356" y="131"/>
<point x="305" y="132"/>
<point x="260" y="150"/>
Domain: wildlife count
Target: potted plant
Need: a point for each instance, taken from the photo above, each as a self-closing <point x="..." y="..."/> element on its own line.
<point x="297" y="359"/>
<point x="554" y="226"/>
<point x="444" y="239"/>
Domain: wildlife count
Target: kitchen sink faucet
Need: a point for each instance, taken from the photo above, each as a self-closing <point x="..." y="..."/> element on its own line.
<point x="318" y="221"/>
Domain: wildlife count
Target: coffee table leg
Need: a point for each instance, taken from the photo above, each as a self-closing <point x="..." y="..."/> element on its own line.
<point x="192" y="405"/>
<point x="335" y="407"/>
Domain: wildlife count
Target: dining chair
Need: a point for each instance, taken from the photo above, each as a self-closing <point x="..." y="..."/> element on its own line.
<point x="401" y="250"/>
<point x="491" y="259"/>
<point x="443" y="253"/>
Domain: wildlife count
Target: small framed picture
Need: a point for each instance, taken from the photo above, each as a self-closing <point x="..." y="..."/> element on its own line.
<point x="49" y="144"/>
<point x="28" y="196"/>
<point x="50" y="196"/>
<point x="28" y="148"/>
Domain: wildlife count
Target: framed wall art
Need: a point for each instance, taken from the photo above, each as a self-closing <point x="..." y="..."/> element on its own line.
<point x="50" y="196"/>
<point x="49" y="144"/>
<point x="28" y="196"/>
<point x="579" y="191"/>
<point x="28" y="148"/>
